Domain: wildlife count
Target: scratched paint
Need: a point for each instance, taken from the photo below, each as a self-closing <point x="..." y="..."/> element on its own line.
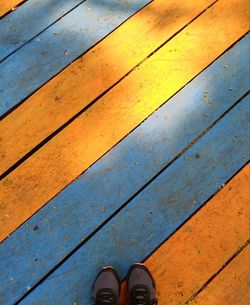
<point x="195" y="253"/>
<point x="9" y="6"/>
<point x="116" y="114"/>
<point x="125" y="169"/>
<point x="29" y="20"/>
<point x="231" y="286"/>
<point x="73" y="89"/>
<point x="154" y="214"/>
<point x="134" y="233"/>
<point x="47" y="55"/>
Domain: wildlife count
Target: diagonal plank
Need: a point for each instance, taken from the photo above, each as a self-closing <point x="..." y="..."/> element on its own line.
<point x="183" y="264"/>
<point x="153" y="215"/>
<point x="35" y="63"/>
<point x="115" y="178"/>
<point x="28" y="20"/>
<point x="8" y="5"/>
<point x="99" y="128"/>
<point x="231" y="286"/>
<point x="92" y="74"/>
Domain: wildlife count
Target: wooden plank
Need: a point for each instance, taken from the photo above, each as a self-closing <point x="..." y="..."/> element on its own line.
<point x="75" y="87"/>
<point x="123" y="171"/>
<point x="231" y="286"/>
<point x="29" y="20"/>
<point x="183" y="264"/>
<point x="68" y="154"/>
<point x="41" y="59"/>
<point x="8" y="5"/>
<point x="151" y="216"/>
<point x="99" y="128"/>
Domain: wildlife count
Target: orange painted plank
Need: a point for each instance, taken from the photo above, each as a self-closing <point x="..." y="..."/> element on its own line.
<point x="7" y="5"/>
<point x="231" y="286"/>
<point x="184" y="263"/>
<point x="69" y="92"/>
<point x="73" y="150"/>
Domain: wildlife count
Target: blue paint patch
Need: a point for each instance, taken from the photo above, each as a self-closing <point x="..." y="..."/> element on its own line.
<point x="35" y="63"/>
<point x="37" y="246"/>
<point x="155" y="213"/>
<point x="28" y="20"/>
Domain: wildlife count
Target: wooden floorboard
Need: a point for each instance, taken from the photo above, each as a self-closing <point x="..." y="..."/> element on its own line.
<point x="231" y="286"/>
<point x="104" y="124"/>
<point x="115" y="178"/>
<point x="91" y="75"/>
<point x="44" y="57"/>
<point x="199" y="249"/>
<point x="137" y="151"/>
<point x="8" y="6"/>
<point x="150" y="217"/>
<point x="28" y="20"/>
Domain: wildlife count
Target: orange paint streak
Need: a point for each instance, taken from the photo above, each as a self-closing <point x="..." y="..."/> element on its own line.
<point x="201" y="247"/>
<point x="7" y="5"/>
<point x="98" y="129"/>
<point x="231" y="286"/>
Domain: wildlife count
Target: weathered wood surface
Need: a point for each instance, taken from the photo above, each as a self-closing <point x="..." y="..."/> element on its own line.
<point x="145" y="187"/>
<point x="151" y="216"/>
<point x="197" y="251"/>
<point x="115" y="178"/>
<point x="91" y="75"/>
<point x="28" y="20"/>
<point x="231" y="286"/>
<point x="99" y="128"/>
<point x="75" y="33"/>
<point x="8" y="6"/>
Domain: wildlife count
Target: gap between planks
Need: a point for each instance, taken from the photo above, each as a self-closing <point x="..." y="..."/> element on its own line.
<point x="22" y="135"/>
<point x="18" y="182"/>
<point x="196" y="253"/>
<point x="226" y="96"/>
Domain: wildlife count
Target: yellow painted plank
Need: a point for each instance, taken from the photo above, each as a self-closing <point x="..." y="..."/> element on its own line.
<point x="186" y="261"/>
<point x="231" y="286"/>
<point x="74" y="88"/>
<point x="7" y="5"/>
<point x="92" y="134"/>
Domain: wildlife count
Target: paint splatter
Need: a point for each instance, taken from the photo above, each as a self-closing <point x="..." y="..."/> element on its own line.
<point x="36" y="228"/>
<point x="197" y="156"/>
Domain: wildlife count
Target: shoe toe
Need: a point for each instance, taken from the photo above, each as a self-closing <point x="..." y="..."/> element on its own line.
<point x="107" y="278"/>
<point x="140" y="275"/>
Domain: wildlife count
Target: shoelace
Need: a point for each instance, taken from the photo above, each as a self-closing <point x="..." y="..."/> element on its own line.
<point x="140" y="296"/>
<point x="105" y="297"/>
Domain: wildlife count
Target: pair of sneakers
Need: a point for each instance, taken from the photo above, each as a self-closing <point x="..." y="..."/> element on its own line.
<point x="140" y="285"/>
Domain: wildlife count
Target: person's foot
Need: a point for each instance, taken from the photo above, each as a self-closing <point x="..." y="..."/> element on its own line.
<point x="106" y="288"/>
<point x="141" y="286"/>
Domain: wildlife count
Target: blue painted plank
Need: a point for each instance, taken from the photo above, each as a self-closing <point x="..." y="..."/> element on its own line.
<point x="28" y="20"/>
<point x="120" y="173"/>
<point x="155" y="213"/>
<point x="35" y="63"/>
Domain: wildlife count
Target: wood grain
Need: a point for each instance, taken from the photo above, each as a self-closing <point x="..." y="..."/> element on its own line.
<point x="34" y="64"/>
<point x="28" y="20"/>
<point x="122" y="172"/>
<point x="92" y="134"/>
<point x="144" y="223"/>
<point x="183" y="264"/>
<point x="231" y="286"/>
<point x="93" y="73"/>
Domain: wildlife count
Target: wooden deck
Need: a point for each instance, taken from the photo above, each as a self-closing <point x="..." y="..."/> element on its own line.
<point x="124" y="137"/>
